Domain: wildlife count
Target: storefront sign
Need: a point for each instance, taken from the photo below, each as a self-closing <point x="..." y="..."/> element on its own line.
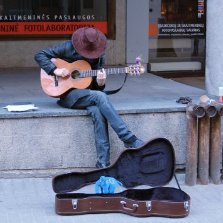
<point x="51" y="17"/>
<point x="197" y="29"/>
<point x="177" y="18"/>
<point x="47" y="28"/>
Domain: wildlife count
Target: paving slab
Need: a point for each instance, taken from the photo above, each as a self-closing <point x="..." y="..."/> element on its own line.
<point x="31" y="200"/>
<point x="147" y="93"/>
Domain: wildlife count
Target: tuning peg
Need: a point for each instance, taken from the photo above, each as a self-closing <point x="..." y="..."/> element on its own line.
<point x="138" y="60"/>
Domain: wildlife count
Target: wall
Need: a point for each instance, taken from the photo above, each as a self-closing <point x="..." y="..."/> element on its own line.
<point x="137" y="30"/>
<point x="46" y="146"/>
<point x="214" y="51"/>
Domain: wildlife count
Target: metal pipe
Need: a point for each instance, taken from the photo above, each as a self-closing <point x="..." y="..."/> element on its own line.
<point x="192" y="148"/>
<point x="215" y="149"/>
<point x="210" y="109"/>
<point x="196" y="110"/>
<point x="203" y="149"/>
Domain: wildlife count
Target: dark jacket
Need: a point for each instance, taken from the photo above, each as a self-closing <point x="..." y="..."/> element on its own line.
<point x="66" y="51"/>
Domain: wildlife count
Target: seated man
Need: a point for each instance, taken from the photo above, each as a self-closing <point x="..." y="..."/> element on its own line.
<point x="89" y="44"/>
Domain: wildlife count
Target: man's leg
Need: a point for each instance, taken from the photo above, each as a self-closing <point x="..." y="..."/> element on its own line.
<point x="100" y="131"/>
<point x="101" y="136"/>
<point x="108" y="113"/>
<point x="106" y="108"/>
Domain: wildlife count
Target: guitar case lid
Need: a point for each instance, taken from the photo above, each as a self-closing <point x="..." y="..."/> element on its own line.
<point x="152" y="164"/>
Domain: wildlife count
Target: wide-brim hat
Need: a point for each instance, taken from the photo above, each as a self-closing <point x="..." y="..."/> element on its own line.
<point x="89" y="42"/>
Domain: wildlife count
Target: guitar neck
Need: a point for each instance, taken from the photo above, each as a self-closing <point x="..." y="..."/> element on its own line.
<point x="93" y="73"/>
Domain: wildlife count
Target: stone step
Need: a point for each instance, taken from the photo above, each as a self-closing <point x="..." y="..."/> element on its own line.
<point x="45" y="142"/>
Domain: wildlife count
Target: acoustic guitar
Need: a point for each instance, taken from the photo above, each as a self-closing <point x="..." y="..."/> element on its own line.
<point x="80" y="78"/>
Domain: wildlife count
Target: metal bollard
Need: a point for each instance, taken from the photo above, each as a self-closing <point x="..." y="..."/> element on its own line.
<point x="204" y="146"/>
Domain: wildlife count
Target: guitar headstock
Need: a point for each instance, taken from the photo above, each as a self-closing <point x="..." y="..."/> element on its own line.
<point x="135" y="70"/>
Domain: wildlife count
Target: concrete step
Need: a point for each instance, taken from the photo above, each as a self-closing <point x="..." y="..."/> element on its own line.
<point x="42" y="143"/>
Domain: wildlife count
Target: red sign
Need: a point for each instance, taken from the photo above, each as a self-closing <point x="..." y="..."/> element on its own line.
<point x="50" y="28"/>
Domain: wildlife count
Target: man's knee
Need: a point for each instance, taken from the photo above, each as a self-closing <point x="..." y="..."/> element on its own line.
<point x="101" y="96"/>
<point x="97" y="118"/>
<point x="93" y="110"/>
<point x="95" y="113"/>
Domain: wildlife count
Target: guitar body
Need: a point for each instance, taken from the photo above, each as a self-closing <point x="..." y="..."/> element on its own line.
<point x="80" y="76"/>
<point x="53" y="89"/>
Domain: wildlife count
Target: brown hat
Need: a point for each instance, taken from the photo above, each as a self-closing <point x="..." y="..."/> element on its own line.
<point x="89" y="42"/>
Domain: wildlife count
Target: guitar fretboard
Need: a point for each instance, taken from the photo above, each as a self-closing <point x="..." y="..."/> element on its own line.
<point x="92" y="73"/>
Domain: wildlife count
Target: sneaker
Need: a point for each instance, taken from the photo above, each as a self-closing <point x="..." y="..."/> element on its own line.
<point x="134" y="144"/>
<point x="102" y="165"/>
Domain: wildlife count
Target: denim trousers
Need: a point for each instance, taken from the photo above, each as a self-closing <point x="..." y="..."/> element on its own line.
<point x="102" y="112"/>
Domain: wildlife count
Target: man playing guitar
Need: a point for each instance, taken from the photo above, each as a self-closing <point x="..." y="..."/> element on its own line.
<point x="87" y="44"/>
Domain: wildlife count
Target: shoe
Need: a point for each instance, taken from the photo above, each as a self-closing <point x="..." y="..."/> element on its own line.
<point x="102" y="165"/>
<point x="134" y="144"/>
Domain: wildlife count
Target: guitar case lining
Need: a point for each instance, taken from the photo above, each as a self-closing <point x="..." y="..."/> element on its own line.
<point x="153" y="164"/>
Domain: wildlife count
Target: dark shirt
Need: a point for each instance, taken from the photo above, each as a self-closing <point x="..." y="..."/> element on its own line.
<point x="66" y="52"/>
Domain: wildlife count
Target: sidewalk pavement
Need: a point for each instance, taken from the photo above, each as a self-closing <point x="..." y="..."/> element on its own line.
<point x="145" y="92"/>
<point x="31" y="200"/>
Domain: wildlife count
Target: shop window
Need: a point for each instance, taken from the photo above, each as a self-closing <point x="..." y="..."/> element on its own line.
<point x="177" y="30"/>
<point x="88" y="4"/>
<point x="54" y="18"/>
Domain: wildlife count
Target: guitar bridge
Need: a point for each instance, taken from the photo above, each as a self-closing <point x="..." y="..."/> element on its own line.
<point x="56" y="81"/>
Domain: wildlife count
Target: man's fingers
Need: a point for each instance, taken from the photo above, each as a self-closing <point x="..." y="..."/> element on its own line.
<point x="65" y="72"/>
<point x="101" y="74"/>
<point x="62" y="72"/>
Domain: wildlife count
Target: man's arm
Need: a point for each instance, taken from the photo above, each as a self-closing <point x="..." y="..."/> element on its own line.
<point x="98" y="83"/>
<point x="44" y="56"/>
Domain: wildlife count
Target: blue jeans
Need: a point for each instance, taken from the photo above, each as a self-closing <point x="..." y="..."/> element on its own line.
<point x="102" y="111"/>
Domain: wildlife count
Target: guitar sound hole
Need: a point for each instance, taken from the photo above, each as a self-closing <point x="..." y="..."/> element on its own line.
<point x="75" y="74"/>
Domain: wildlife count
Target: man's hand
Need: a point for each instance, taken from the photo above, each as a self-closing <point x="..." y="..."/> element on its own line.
<point x="101" y="77"/>
<point x="62" y="72"/>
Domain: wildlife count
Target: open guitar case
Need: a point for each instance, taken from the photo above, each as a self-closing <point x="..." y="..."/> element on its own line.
<point x="152" y="164"/>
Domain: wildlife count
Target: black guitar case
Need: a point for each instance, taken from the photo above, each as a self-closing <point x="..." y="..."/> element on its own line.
<point x="153" y="164"/>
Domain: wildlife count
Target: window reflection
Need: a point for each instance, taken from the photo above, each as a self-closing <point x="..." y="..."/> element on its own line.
<point x="55" y="7"/>
<point x="177" y="35"/>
